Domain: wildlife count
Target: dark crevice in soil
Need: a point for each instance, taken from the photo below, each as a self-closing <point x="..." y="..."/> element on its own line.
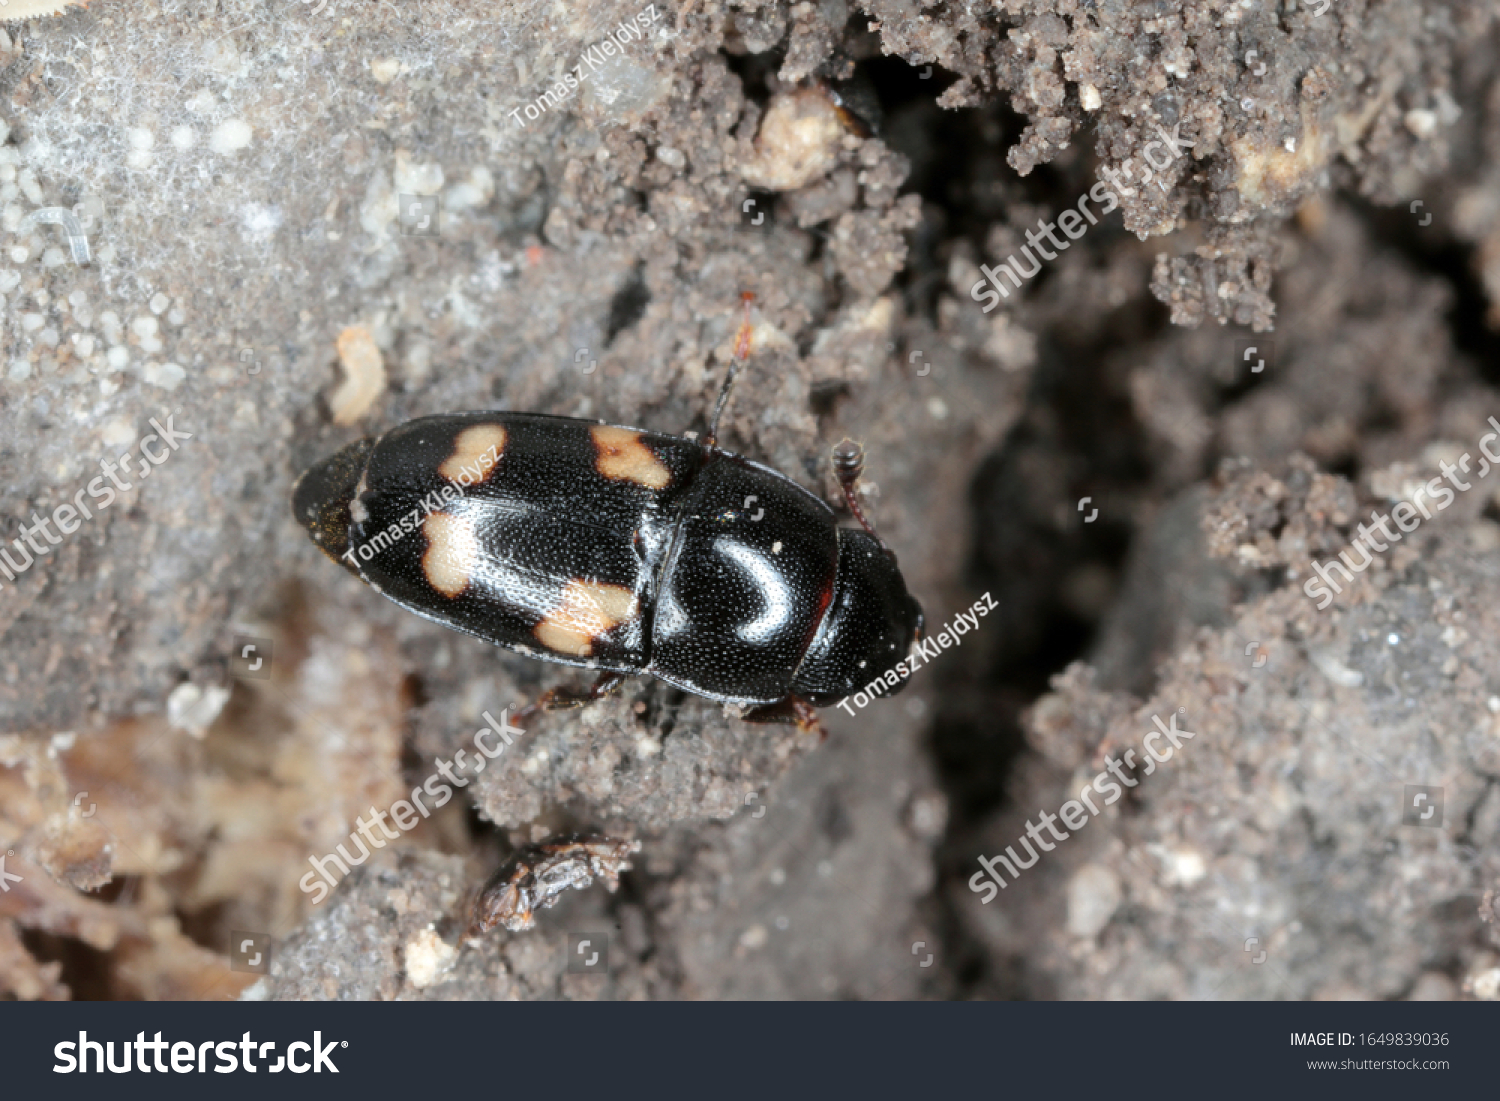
<point x="1050" y="569"/>
<point x="1051" y="575"/>
<point x="1433" y="251"/>
<point x="85" y="970"/>
<point x="755" y="72"/>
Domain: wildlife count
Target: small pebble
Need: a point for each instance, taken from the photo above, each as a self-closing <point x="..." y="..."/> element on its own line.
<point x="1421" y="122"/>
<point x="798" y="143"/>
<point x="230" y="136"/>
<point x="385" y="70"/>
<point x="168" y="376"/>
<point x="1093" y="896"/>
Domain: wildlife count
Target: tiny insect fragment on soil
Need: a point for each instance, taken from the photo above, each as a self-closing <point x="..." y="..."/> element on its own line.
<point x="535" y="878"/>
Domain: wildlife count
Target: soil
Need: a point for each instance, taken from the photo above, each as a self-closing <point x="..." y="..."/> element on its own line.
<point x="307" y="223"/>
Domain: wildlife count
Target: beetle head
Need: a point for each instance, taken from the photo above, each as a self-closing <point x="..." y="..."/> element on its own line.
<point x="868" y="629"/>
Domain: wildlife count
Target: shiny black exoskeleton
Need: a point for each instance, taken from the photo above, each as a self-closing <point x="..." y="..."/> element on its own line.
<point x="621" y="550"/>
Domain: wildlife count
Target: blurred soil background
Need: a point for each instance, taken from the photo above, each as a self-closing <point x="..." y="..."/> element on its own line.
<point x="245" y="171"/>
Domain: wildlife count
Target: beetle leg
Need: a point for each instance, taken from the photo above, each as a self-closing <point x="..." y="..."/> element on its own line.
<point x="848" y="465"/>
<point x="793" y="709"/>
<point x="565" y="699"/>
<point x="741" y="351"/>
<point x="807" y="718"/>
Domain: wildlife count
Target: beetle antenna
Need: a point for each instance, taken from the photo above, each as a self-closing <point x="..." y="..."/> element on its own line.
<point x="848" y="465"/>
<point x="741" y="352"/>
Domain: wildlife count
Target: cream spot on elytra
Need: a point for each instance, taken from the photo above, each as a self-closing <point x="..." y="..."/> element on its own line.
<point x="588" y="611"/>
<point x="452" y="553"/>
<point x="475" y="453"/>
<point x="623" y="457"/>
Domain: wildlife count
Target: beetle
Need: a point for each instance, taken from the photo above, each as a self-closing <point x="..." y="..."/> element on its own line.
<point x="622" y="550"/>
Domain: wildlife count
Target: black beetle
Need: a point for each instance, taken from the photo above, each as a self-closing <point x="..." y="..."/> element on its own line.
<point x="622" y="550"/>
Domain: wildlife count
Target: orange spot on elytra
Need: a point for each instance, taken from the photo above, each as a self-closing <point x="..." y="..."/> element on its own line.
<point x="475" y="453"/>
<point x="588" y="611"/>
<point x="452" y="551"/>
<point x="623" y="457"/>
